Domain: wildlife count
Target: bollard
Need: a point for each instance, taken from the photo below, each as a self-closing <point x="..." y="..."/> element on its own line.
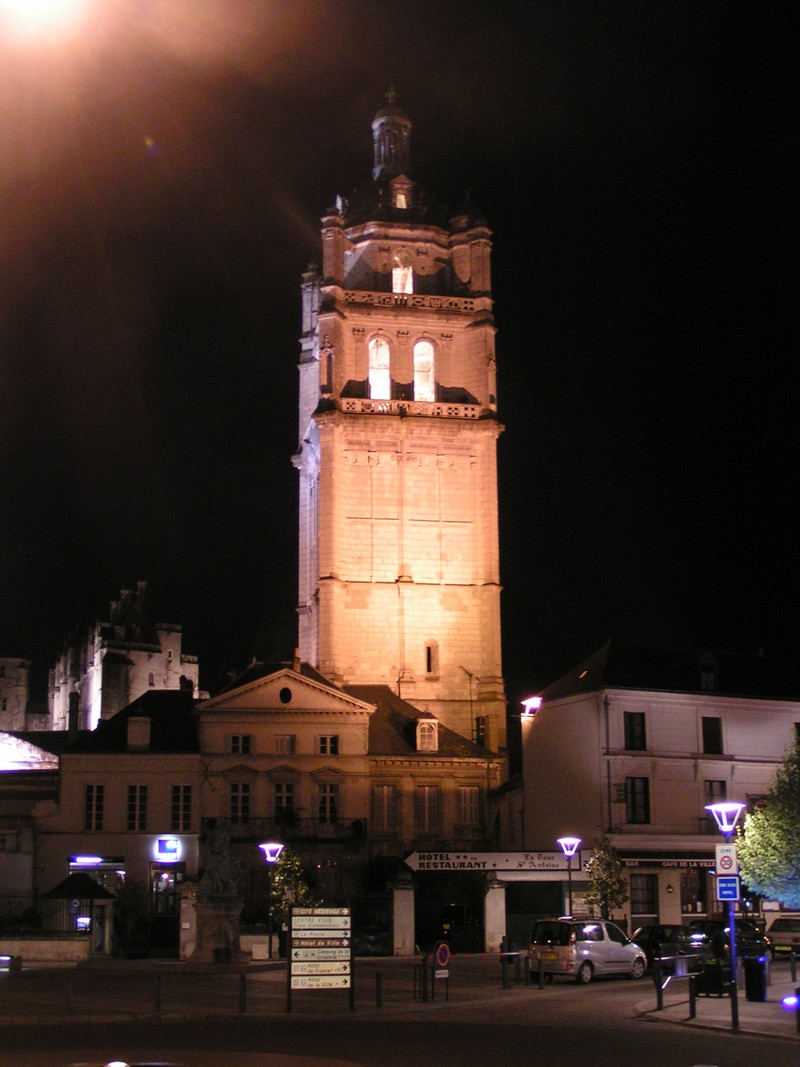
<point x="797" y="1008"/>
<point x="793" y="965"/>
<point x="504" y="968"/>
<point x="692" y="996"/>
<point x="657" y="981"/>
<point x="378" y="989"/>
<point x="242" y="993"/>
<point x="541" y="973"/>
<point x="517" y="959"/>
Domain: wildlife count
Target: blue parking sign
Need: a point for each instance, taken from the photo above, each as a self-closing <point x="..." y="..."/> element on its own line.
<point x="728" y="887"/>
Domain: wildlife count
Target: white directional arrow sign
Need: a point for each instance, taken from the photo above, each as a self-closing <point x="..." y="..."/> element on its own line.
<point x="491" y="861"/>
<point x="321" y="968"/>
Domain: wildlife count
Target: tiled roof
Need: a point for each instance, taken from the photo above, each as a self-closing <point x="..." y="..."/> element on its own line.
<point x="670" y="670"/>
<point x="173" y="725"/>
<point x="393" y="726"/>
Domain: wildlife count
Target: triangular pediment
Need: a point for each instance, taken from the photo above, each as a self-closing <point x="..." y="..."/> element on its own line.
<point x="286" y="690"/>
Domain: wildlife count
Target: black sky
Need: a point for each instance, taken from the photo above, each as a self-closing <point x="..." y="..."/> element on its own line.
<point x="161" y="183"/>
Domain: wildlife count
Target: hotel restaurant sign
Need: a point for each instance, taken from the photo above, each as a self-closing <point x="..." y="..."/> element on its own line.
<point x="491" y="861"/>
<point x="681" y="860"/>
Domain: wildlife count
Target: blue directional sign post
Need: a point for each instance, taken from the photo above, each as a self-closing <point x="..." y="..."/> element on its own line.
<point x="728" y="887"/>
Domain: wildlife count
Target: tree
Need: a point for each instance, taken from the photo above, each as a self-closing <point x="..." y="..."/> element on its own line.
<point x="608" y="887"/>
<point x="289" y="886"/>
<point x="769" y="845"/>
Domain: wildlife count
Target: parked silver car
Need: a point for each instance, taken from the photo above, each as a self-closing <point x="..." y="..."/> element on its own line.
<point x="584" y="949"/>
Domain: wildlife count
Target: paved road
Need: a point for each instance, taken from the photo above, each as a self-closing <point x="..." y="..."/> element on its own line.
<point x="482" y="1023"/>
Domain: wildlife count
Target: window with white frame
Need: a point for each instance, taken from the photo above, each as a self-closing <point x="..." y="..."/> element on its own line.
<point x="181" y="814"/>
<point x="328" y="744"/>
<point x="328" y="807"/>
<point x="427" y="736"/>
<point x="284" y="799"/>
<point x="137" y="807"/>
<point x="239" y="797"/>
<point x="241" y="744"/>
<point x="380" y="380"/>
<point x="93" y="805"/>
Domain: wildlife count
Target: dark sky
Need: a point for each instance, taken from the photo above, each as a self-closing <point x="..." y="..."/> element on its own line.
<point x="161" y="181"/>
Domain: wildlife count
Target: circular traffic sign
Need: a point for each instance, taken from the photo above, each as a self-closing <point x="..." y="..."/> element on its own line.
<point x="726" y="862"/>
<point x="442" y="954"/>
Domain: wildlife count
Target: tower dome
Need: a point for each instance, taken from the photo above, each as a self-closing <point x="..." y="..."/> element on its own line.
<point x="391" y="137"/>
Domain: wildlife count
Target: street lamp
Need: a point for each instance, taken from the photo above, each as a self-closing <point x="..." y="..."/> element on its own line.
<point x="271" y="850"/>
<point x="726" y="815"/>
<point x="569" y="846"/>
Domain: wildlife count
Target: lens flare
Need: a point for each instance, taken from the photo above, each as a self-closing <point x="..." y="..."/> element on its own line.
<point x="37" y="20"/>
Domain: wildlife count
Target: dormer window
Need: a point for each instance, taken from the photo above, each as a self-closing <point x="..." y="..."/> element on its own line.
<point x="428" y="735"/>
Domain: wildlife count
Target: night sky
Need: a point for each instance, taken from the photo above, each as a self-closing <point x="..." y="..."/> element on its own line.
<point x="162" y="176"/>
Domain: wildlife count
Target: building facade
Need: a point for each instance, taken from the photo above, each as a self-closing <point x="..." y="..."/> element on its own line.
<point x="633" y="743"/>
<point x="399" y="579"/>
<point x="128" y="807"/>
<point x="353" y="780"/>
<point x="14" y="692"/>
<point x="112" y="663"/>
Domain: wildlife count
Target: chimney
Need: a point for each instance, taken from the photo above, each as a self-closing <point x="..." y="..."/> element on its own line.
<point x="138" y="733"/>
<point x="296" y="661"/>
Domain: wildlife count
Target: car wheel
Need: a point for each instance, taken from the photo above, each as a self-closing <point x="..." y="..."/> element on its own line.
<point x="585" y="973"/>
<point x="638" y="968"/>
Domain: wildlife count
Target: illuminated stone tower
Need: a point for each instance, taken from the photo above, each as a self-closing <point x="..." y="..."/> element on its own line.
<point x="399" y="564"/>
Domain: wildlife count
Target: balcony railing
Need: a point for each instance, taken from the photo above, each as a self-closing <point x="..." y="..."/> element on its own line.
<point x="431" y="410"/>
<point x="297" y="829"/>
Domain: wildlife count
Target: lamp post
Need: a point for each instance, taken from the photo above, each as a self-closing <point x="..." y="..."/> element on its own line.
<point x="569" y="846"/>
<point x="271" y="850"/>
<point x="726" y="815"/>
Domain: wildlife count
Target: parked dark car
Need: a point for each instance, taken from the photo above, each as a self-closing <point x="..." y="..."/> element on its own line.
<point x="712" y="936"/>
<point x="668" y="940"/>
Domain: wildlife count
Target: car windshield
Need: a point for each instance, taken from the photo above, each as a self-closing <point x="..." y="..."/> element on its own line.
<point x="551" y="933"/>
<point x="785" y="926"/>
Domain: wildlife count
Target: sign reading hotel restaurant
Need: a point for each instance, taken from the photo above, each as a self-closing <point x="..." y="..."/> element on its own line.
<point x="491" y="861"/>
<point x="320" y="951"/>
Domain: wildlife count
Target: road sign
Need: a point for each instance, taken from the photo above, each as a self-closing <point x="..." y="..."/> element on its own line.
<point x="326" y="967"/>
<point x="491" y="861"/>
<point x="727" y="861"/>
<point x="321" y="950"/>
<point x="336" y="923"/>
<point x="321" y="953"/>
<point x="320" y="981"/>
<point x="728" y="887"/>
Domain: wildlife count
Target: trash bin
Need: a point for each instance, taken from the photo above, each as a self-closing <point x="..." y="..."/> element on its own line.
<point x="714" y="979"/>
<point x="755" y="978"/>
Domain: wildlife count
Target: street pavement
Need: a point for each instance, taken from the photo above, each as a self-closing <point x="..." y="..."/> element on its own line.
<point x="122" y="990"/>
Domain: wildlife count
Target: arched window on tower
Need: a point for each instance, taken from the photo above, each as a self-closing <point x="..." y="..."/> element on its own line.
<point x="424" y="385"/>
<point x="402" y="274"/>
<point x="380" y="381"/>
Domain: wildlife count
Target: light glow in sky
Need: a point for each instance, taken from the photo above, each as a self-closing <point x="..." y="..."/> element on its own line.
<point x="41" y="20"/>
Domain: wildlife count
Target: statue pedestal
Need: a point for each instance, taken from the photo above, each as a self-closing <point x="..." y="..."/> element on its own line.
<point x="217" y="931"/>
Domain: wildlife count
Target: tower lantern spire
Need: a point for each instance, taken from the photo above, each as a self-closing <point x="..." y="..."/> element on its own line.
<point x="391" y="137"/>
